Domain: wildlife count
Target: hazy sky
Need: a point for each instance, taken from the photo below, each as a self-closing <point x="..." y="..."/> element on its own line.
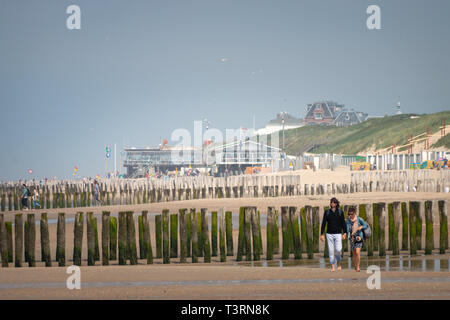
<point x="137" y="70"/>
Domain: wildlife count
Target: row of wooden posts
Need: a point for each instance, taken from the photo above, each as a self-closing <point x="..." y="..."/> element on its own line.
<point x="189" y="230"/>
<point x="114" y="192"/>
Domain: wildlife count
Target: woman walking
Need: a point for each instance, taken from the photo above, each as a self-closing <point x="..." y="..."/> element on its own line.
<point x="334" y="221"/>
<point x="355" y="227"/>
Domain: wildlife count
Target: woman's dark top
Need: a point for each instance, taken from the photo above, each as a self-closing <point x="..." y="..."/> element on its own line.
<point x="335" y="220"/>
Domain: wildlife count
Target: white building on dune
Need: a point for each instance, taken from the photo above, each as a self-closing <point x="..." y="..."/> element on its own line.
<point x="290" y="122"/>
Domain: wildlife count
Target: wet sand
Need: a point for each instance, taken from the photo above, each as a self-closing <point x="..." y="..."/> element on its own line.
<point x="219" y="282"/>
<point x="229" y="280"/>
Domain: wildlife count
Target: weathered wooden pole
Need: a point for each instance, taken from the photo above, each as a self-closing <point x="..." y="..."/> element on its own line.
<point x="222" y="232"/>
<point x="429" y="241"/>
<point x="31" y="243"/>
<point x="269" y="233"/>
<point x="390" y="211"/>
<point x="214" y="234"/>
<point x="9" y="240"/>
<point x="183" y="235"/>
<point x="285" y="232"/>
<point x="147" y="239"/>
<point x="90" y="239"/>
<point x="205" y="237"/>
<point x="123" y="254"/>
<point x="316" y="228"/>
<point x="241" y="236"/>
<point x="78" y="238"/>
<point x="405" y="225"/>
<point x="173" y="235"/>
<point x="194" y="237"/>
<point x="259" y="230"/>
<point x="131" y="238"/>
<point x="255" y="234"/>
<point x="165" y="236"/>
<point x="199" y="235"/>
<point x="229" y="233"/>
<point x="304" y="238"/>
<point x="309" y="232"/>
<point x="443" y="226"/>
<point x="61" y="240"/>
<point x="414" y="208"/>
<point x="293" y="217"/>
<point x="158" y="235"/>
<point x="106" y="242"/>
<point x="397" y="217"/>
<point x="141" y="238"/>
<point x="26" y="234"/>
<point x="96" y="242"/>
<point x="276" y="233"/>
<point x="113" y="238"/>
<point x="3" y="243"/>
<point x="188" y="233"/>
<point x="45" y="241"/>
<point x="376" y="228"/>
<point x="382" y="226"/>
<point x="419" y="221"/>
<point x="247" y="234"/>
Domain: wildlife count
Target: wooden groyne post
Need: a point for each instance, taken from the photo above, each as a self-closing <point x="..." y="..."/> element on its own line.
<point x="106" y="241"/>
<point x="429" y="241"/>
<point x="174" y="235"/>
<point x="3" y="243"/>
<point x="286" y="239"/>
<point x="45" y="241"/>
<point x="158" y="236"/>
<point x="229" y="232"/>
<point x="205" y="237"/>
<point x="113" y="238"/>
<point x="165" y="236"/>
<point x="443" y="226"/>
<point x="294" y="220"/>
<point x="255" y="234"/>
<point x="183" y="235"/>
<point x="31" y="240"/>
<point x="414" y="207"/>
<point x="269" y="233"/>
<point x="61" y="240"/>
<point x="194" y="237"/>
<point x="214" y="233"/>
<point x="78" y="238"/>
<point x="18" y="240"/>
<point x="405" y="225"/>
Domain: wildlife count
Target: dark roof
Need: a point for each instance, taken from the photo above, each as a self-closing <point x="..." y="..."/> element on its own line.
<point x="328" y="110"/>
<point x="350" y="117"/>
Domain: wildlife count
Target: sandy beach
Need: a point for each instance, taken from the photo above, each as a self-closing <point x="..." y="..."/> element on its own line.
<point x="228" y="280"/>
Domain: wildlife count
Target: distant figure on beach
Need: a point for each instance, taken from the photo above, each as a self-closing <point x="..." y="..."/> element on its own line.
<point x="334" y="219"/>
<point x="25" y="193"/>
<point x="36" y="198"/>
<point x="97" y="194"/>
<point x="355" y="225"/>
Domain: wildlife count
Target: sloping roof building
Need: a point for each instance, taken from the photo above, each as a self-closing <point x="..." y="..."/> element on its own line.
<point x="348" y="118"/>
<point x="323" y="112"/>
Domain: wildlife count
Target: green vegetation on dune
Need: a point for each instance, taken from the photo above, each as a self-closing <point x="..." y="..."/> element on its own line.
<point x="443" y="142"/>
<point x="378" y="133"/>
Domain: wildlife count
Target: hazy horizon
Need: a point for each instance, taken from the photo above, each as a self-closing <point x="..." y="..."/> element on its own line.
<point x="138" y="70"/>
